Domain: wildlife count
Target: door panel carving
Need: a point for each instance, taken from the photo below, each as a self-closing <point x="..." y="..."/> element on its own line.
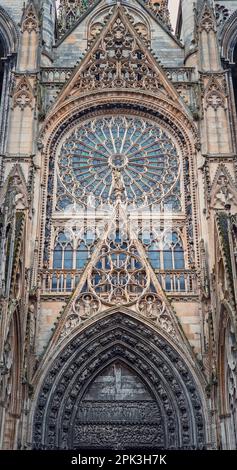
<point x="118" y="411"/>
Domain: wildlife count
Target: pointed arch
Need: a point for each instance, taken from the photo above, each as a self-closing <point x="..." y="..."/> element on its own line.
<point x="11" y="386"/>
<point x="111" y="63"/>
<point x="8" y="33"/>
<point x="118" y="337"/>
<point x="229" y="37"/>
<point x="227" y="371"/>
<point x="8" y="47"/>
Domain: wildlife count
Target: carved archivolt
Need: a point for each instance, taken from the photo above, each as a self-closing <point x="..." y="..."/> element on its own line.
<point x="229" y="37"/>
<point x="222" y="14"/>
<point x="118" y="337"/>
<point x="228" y="376"/>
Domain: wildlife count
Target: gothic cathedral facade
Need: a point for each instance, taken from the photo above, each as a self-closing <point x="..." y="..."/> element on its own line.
<point x="118" y="225"/>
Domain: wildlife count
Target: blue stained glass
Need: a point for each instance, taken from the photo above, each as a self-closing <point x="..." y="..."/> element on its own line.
<point x="168" y="282"/>
<point x="68" y="283"/>
<point x="168" y="261"/>
<point x="178" y="258"/>
<point x="154" y="255"/>
<point x="137" y="148"/>
<point x="57" y="257"/>
<point x="68" y="257"/>
<point x="81" y="256"/>
<point x="182" y="283"/>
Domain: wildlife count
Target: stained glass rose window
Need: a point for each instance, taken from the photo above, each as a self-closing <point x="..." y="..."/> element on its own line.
<point x="118" y="153"/>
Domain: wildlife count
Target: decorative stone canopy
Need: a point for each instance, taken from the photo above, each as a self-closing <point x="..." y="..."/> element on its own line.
<point x="69" y="11"/>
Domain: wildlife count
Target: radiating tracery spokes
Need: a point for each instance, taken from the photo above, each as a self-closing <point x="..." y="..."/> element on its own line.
<point x="142" y="155"/>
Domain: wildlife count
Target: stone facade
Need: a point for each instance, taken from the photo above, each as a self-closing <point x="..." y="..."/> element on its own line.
<point x="118" y="225"/>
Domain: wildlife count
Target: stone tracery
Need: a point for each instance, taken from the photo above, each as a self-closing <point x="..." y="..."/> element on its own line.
<point x="138" y="150"/>
<point x="118" y="336"/>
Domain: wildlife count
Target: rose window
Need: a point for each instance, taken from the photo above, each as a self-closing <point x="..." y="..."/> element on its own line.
<point x="118" y="153"/>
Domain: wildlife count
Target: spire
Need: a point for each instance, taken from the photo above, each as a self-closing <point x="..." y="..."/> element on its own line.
<point x="160" y="9"/>
<point x="69" y="11"/>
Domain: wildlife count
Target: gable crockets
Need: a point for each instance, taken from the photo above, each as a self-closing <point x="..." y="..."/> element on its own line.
<point x="118" y="60"/>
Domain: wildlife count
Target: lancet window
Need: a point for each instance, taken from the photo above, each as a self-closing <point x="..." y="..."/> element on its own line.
<point x="70" y="251"/>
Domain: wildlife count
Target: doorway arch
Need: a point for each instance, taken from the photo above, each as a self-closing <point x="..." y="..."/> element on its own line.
<point x="143" y="356"/>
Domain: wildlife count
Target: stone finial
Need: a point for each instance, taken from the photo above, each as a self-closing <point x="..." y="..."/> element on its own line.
<point x="69" y="11"/>
<point x="161" y="9"/>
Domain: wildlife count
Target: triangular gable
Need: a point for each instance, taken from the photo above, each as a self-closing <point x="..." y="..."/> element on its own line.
<point x="147" y="10"/>
<point x="223" y="190"/>
<point x="225" y="248"/>
<point x="207" y="19"/>
<point x="118" y="59"/>
<point x="131" y="283"/>
<point x="15" y="188"/>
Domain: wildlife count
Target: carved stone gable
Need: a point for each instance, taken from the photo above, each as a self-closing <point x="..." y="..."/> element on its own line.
<point x="207" y="20"/>
<point x="223" y="191"/>
<point x="30" y="20"/>
<point x="118" y="59"/>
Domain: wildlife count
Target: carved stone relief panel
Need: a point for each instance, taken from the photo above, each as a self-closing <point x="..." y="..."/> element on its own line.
<point x="140" y="367"/>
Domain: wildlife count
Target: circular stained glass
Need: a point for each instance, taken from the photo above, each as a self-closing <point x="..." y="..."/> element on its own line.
<point x="119" y="154"/>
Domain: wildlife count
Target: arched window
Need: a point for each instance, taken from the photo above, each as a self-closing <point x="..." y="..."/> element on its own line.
<point x="173" y="252"/>
<point x="167" y="253"/>
<point x="71" y="253"/>
<point x="63" y="252"/>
